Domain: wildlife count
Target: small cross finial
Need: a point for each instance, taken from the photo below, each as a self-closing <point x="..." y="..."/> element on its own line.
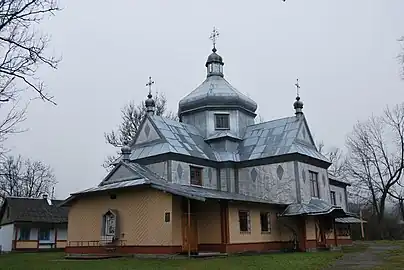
<point x="213" y="36"/>
<point x="297" y="87"/>
<point x="149" y="84"/>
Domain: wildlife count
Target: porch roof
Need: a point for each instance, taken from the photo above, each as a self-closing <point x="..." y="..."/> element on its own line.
<point x="350" y="220"/>
<point x="315" y="207"/>
<point x="145" y="177"/>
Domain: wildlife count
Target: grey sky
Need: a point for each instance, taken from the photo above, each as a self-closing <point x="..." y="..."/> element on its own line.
<point x="344" y="53"/>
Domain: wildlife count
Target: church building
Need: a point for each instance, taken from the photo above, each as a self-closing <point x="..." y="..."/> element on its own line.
<point x="214" y="181"/>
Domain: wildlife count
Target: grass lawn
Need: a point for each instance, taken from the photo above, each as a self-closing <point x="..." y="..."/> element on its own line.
<point x="36" y="261"/>
<point x="392" y="259"/>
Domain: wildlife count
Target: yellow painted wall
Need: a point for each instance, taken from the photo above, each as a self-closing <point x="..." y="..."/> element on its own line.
<point x="278" y="231"/>
<point x="140" y="216"/>
<point x="26" y="244"/>
<point x="176" y="221"/>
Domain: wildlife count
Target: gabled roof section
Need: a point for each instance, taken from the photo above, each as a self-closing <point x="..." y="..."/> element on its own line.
<point x="32" y="210"/>
<point x="278" y="137"/>
<point x="269" y="139"/>
<point x="147" y="133"/>
<point x="304" y="134"/>
<point x="176" y="137"/>
<point x="121" y="172"/>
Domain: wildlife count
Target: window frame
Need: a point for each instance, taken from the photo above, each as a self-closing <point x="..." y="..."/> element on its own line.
<point x="333" y="197"/>
<point x="314" y="181"/>
<point x="198" y="170"/>
<point x="40" y="234"/>
<point x="221" y="114"/>
<point x="27" y="233"/>
<point x="267" y="217"/>
<point x="167" y="217"/>
<point x="245" y="228"/>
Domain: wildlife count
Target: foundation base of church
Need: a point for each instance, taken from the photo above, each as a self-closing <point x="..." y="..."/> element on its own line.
<point x="261" y="247"/>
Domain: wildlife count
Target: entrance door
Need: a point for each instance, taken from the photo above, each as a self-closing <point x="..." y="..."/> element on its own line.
<point x="189" y="234"/>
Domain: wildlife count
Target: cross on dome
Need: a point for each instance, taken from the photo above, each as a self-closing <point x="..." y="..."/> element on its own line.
<point x="213" y="36"/>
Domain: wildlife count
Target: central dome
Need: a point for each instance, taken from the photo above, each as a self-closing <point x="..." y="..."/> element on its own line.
<point x="215" y="91"/>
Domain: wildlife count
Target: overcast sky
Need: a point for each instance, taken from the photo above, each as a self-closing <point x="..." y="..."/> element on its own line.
<point x="343" y="52"/>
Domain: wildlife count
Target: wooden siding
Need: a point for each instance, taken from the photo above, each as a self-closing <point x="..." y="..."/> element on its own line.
<point x="140" y="216"/>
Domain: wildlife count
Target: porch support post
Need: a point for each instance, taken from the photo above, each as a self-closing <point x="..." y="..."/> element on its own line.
<point x="224" y="224"/>
<point x="335" y="233"/>
<point x="15" y="237"/>
<point x="189" y="228"/>
<point x="302" y="234"/>
<point x="55" y="228"/>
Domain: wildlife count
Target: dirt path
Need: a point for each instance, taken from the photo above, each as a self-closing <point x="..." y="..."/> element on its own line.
<point x="362" y="260"/>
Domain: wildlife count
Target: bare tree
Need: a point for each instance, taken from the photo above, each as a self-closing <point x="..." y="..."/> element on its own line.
<point x="9" y="123"/>
<point x="132" y="116"/>
<point x="22" y="52"/>
<point x="376" y="159"/>
<point x="337" y="158"/>
<point x="25" y="178"/>
<point x="23" y="47"/>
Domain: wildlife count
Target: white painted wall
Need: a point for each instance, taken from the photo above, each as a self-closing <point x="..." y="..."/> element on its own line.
<point x="6" y="237"/>
<point x="267" y="184"/>
<point x="62" y="233"/>
<point x="323" y="182"/>
<point x="181" y="174"/>
<point x="339" y="196"/>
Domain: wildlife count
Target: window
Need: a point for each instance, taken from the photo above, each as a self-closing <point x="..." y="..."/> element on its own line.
<point x="44" y="235"/>
<point x="244" y="220"/>
<point x="24" y="233"/>
<point x="222" y="121"/>
<point x="196" y="176"/>
<point x="333" y="199"/>
<point x="167" y="217"/>
<point x="314" y="184"/>
<point x="265" y="222"/>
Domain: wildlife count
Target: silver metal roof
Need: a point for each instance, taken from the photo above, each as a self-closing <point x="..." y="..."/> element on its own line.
<point x="274" y="138"/>
<point x="155" y="181"/>
<point x="178" y="137"/>
<point x="269" y="139"/>
<point x="313" y="208"/>
<point x="216" y="91"/>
